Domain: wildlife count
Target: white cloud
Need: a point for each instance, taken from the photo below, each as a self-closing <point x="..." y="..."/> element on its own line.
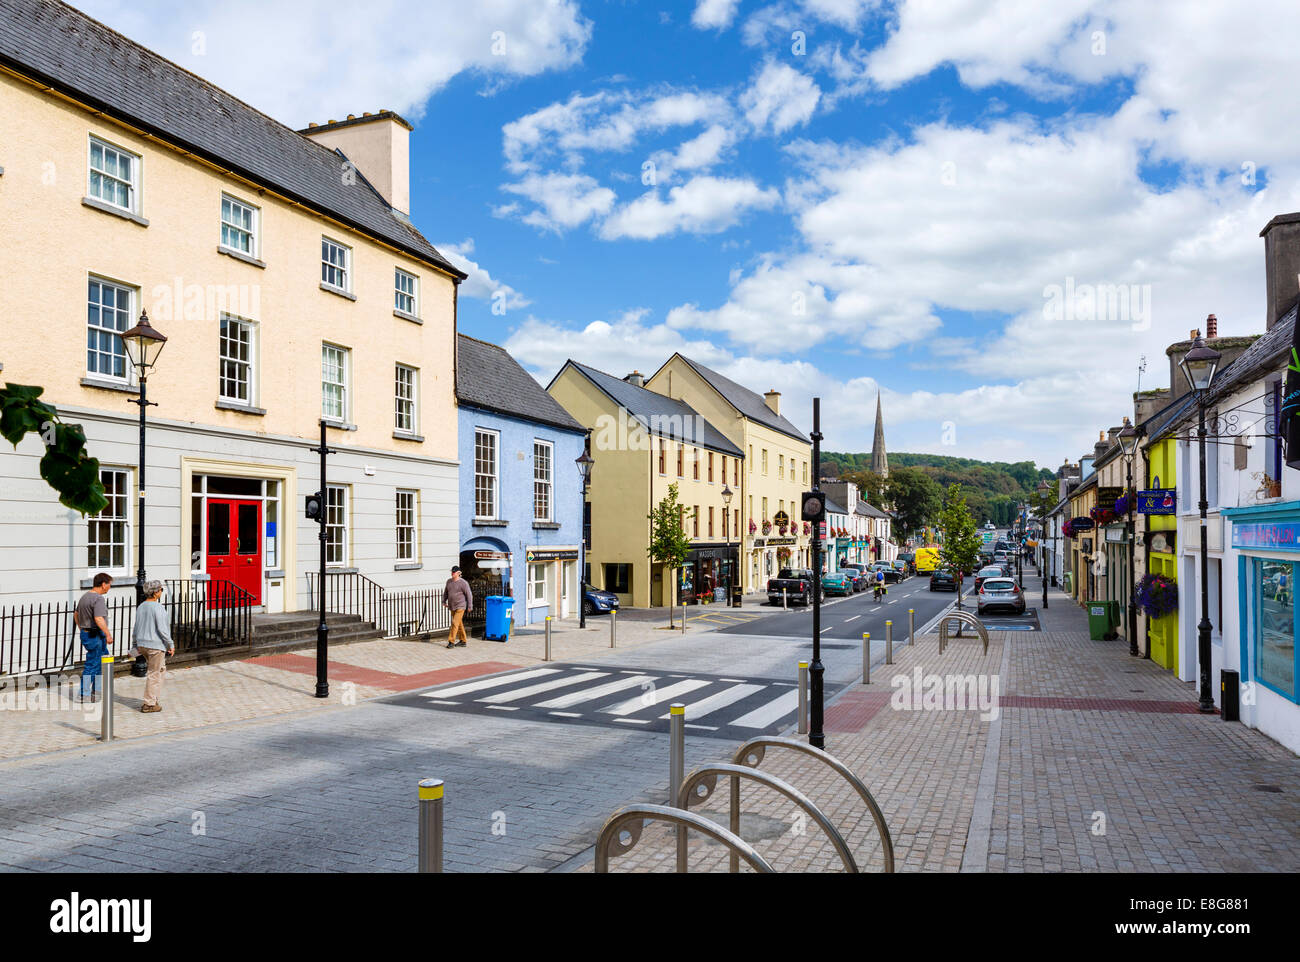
<point x="698" y="153"/>
<point x="301" y="65"/>
<point x="714" y="14"/>
<point x="562" y="200"/>
<point x="781" y="97"/>
<point x="480" y="284"/>
<point x="704" y="205"/>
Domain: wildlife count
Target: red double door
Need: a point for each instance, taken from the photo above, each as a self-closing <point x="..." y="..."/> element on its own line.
<point x="235" y="545"/>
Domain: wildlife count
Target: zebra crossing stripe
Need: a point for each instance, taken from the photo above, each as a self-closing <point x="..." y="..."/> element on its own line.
<point x="515" y="694"/>
<point x="672" y="691"/>
<point x="769" y="713"/>
<point x="722" y="699"/>
<point x="490" y="683"/>
<point x="591" y="694"/>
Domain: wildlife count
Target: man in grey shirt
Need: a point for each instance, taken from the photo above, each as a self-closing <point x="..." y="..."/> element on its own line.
<point x="92" y="623"/>
<point x="457" y="596"/>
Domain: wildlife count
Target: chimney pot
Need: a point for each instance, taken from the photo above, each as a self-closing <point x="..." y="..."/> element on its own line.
<point x="773" y="399"/>
<point x="1211" y="326"/>
<point x="1281" y="265"/>
<point x="636" y="379"/>
<point x="313" y="124"/>
<point x="365" y="113"/>
<point x="352" y="116"/>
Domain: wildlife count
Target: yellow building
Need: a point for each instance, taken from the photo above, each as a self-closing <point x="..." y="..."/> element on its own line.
<point x="1083" y="544"/>
<point x="284" y="271"/>
<point x="777" y="456"/>
<point x="642" y="443"/>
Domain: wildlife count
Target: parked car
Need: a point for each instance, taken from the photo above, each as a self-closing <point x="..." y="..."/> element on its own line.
<point x="858" y="572"/>
<point x="797" y="583"/>
<point x="597" y="599"/>
<point x="991" y="571"/>
<point x="837" y="583"/>
<point x="901" y="568"/>
<point x="941" y="579"/>
<point x="1000" y="593"/>
<point x="891" y="573"/>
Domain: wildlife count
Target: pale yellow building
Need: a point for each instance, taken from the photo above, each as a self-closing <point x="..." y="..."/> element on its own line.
<point x="282" y="267"/>
<point x="777" y="463"/>
<point x="642" y="443"/>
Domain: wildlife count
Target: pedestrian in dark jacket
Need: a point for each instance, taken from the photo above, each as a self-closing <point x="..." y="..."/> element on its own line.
<point x="457" y="596"/>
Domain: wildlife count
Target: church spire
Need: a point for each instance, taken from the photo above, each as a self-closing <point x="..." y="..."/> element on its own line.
<point x="879" y="460"/>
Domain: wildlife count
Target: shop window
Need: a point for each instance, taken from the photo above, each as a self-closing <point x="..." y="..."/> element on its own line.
<point x="618" y="578"/>
<point x="537" y="584"/>
<point x="1275" y="650"/>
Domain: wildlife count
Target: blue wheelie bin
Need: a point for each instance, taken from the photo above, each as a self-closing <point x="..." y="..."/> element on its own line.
<point x="498" y="618"/>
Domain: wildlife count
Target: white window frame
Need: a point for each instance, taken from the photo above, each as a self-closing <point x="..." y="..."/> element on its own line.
<point x="410" y="400"/>
<point x="132" y="185"/>
<point x="543" y="478"/>
<point x="126" y="377"/>
<point x="250" y="364"/>
<point x="127" y="519"/>
<point x="345" y="372"/>
<point x="494" y="478"/>
<point x="407" y="524"/>
<point x="536" y="586"/>
<point x="399" y="293"/>
<point x="252" y="230"/>
<point x="337" y="514"/>
<point x="327" y="265"/>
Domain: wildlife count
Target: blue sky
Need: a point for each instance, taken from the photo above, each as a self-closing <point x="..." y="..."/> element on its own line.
<point x="845" y="197"/>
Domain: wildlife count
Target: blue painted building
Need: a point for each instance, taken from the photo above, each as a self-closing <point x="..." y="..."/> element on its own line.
<point x="521" y="517"/>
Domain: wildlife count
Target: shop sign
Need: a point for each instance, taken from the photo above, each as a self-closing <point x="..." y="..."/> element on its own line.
<point x="843" y="542"/>
<point x="759" y="542"/>
<point x="1116" y="533"/>
<point x="781" y="518"/>
<point x="714" y="551"/>
<point x="1157" y="501"/>
<point x="773" y="542"/>
<point x="491" y="555"/>
<point x="1107" y="496"/>
<point x="552" y="554"/>
<point x="1285" y="535"/>
<point x="1081" y="523"/>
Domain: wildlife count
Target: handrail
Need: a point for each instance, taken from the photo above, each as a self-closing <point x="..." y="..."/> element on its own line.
<point x="349" y="593"/>
<point x="635" y="817"/>
<point x="756" y="749"/>
<point x="706" y="778"/>
<point x="962" y="618"/>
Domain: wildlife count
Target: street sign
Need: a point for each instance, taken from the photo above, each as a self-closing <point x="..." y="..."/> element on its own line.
<point x="1156" y="501"/>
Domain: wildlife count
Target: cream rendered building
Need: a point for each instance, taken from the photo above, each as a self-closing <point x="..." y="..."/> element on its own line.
<point x="777" y="463"/>
<point x="282" y="267"/>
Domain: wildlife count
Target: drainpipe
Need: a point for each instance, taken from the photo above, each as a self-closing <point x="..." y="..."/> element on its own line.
<point x="1146" y="551"/>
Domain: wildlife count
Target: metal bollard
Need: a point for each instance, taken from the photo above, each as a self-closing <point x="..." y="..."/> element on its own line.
<point x="613" y="628"/>
<point x="911" y="626"/>
<point x="106" y="716"/>
<point x="676" y="750"/>
<point x="431" y="825"/>
<point x="803" y="698"/>
<point x="546" y="656"/>
<point x="683" y="617"/>
<point x="783" y="602"/>
<point x="866" y="658"/>
<point x="889" y="642"/>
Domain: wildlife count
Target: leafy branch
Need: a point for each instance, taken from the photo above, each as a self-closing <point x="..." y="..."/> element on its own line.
<point x="65" y="467"/>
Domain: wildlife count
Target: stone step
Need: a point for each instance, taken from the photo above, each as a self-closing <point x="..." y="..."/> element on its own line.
<point x="265" y="630"/>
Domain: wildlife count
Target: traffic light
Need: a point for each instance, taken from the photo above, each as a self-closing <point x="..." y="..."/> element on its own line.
<point x="315" y="508"/>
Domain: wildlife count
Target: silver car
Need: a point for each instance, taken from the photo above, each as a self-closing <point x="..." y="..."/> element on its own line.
<point x="1000" y="593"/>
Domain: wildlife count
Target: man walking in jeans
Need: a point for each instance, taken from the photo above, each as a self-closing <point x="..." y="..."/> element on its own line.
<point x="92" y="621"/>
<point x="457" y="596"/>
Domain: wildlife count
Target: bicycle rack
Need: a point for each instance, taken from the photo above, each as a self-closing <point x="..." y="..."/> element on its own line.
<point x="632" y="818"/>
<point x="706" y="779"/>
<point x="752" y="753"/>
<point x="962" y="618"/>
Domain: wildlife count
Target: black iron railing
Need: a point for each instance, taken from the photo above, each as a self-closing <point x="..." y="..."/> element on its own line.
<point x="349" y="593"/>
<point x="414" y="612"/>
<point x="208" y="614"/>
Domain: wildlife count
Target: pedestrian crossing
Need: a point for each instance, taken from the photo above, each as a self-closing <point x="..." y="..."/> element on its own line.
<point x="638" y="698"/>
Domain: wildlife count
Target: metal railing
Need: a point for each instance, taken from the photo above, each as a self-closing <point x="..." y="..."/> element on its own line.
<point x="416" y="611"/>
<point x="632" y="818"/>
<point x="962" y="618"/>
<point x="348" y="593"/>
<point x="208" y="614"/>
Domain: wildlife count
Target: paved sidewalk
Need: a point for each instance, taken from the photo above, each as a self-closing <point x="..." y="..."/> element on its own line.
<point x="1095" y="761"/>
<point x="270" y="685"/>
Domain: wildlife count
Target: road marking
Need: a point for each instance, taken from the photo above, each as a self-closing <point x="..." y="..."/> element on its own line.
<point x="769" y="713"/>
<point x="591" y="694"/>
<point x="721" y="700"/>
<point x="660" y="694"/>
<point x="634" y="721"/>
<point x="490" y="683"/>
<point x="707" y="728"/>
<point x="567" y="714"/>
<point x="519" y="693"/>
<point x="854" y="618"/>
<point x="442" y="701"/>
<point x="504" y="707"/>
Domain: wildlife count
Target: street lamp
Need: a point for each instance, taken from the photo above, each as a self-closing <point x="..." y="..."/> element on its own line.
<point x="727" y="495"/>
<point x="1128" y="439"/>
<point x="143" y="344"/>
<point x="584" y="462"/>
<point x="1199" y="365"/>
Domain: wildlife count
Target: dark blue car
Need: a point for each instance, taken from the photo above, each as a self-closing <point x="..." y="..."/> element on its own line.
<point x="597" y="599"/>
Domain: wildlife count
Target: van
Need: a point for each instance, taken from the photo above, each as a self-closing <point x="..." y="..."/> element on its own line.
<point x="927" y="559"/>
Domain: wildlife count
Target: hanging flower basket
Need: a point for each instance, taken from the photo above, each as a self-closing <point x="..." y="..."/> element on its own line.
<point x="767" y="527"/>
<point x="1102" y="515"/>
<point x="1067" y="528"/>
<point x="807" y="528"/>
<point x="1124" y="503"/>
<point x="1157" y="595"/>
<point x="782" y="553"/>
<point x="781" y="529"/>
<point x="752" y="526"/>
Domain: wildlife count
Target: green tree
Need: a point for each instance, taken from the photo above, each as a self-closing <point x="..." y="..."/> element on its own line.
<point x="669" y="545"/>
<point x="916" y="499"/>
<point x="872" y="488"/>
<point x="66" y="467"/>
<point x="960" y="549"/>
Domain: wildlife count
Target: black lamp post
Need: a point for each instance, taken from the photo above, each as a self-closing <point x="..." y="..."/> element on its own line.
<point x="143" y="345"/>
<point x="1198" y="366"/>
<point x="584" y="462"/>
<point x="727" y="495"/>
<point x="1128" y="439"/>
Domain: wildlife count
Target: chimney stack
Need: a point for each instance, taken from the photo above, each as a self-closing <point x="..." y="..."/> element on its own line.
<point x="1281" y="265"/>
<point x="1211" y="326"/>
<point x="379" y="145"/>
<point x="635" y="379"/>
<point x="773" y="399"/>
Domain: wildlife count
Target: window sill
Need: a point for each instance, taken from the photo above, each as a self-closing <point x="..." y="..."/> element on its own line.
<point x="337" y="290"/>
<point x="339" y="425"/>
<point x="239" y="407"/>
<point x="407" y="317"/>
<point x="331" y="570"/>
<point x="121" y="579"/>
<point x="407" y="436"/>
<point x="488" y="523"/>
<point x="547" y="525"/>
<point x="241" y="256"/>
<point x="412" y="566"/>
<point x="107" y="385"/>
<point x="275" y="573"/>
<point x="115" y="211"/>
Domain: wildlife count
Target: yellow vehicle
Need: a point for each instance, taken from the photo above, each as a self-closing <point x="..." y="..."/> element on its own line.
<point x="927" y="559"/>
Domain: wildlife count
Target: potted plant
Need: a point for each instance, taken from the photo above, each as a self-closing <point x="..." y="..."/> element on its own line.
<point x="1157" y="595"/>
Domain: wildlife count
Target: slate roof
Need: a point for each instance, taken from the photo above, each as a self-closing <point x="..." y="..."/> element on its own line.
<point x="487" y="377"/>
<point x="831" y="506"/>
<point x="644" y="405"/>
<point x="63" y="48"/>
<point x="751" y="405"/>
<point x="870" y="510"/>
